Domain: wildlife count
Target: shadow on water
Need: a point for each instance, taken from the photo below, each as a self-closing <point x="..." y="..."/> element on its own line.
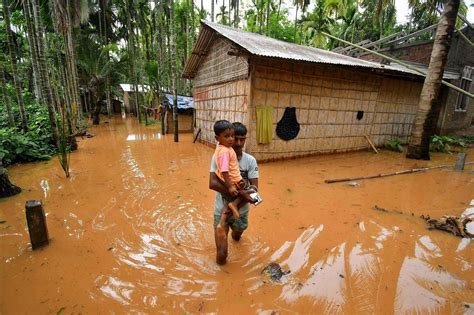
<point x="131" y="231"/>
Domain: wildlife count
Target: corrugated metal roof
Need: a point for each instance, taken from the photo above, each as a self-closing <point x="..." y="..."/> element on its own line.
<point x="259" y="45"/>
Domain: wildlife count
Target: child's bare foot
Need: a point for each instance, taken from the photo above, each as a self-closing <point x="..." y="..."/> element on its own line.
<point x="235" y="210"/>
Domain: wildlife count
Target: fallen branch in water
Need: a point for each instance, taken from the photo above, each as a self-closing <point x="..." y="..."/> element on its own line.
<point x="454" y="225"/>
<point x="388" y="210"/>
<point x="413" y="170"/>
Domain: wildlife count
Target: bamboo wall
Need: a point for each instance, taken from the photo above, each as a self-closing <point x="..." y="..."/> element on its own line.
<point x="219" y="66"/>
<point x="221" y="89"/>
<point x="221" y="101"/>
<point x="327" y="98"/>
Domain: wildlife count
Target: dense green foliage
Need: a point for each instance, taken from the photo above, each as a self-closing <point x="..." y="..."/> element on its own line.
<point x="394" y="145"/>
<point x="17" y="146"/>
<point x="446" y="144"/>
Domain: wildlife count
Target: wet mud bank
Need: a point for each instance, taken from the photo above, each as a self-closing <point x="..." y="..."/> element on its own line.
<point x="131" y="231"/>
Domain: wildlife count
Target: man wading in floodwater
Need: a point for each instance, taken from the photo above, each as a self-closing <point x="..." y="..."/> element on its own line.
<point x="249" y="173"/>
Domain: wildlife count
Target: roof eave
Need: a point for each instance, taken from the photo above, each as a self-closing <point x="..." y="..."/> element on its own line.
<point x="205" y="38"/>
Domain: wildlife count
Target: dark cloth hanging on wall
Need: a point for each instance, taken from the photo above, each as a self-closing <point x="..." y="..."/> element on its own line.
<point x="288" y="127"/>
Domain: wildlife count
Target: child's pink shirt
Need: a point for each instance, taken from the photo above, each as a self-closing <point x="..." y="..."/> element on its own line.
<point x="227" y="161"/>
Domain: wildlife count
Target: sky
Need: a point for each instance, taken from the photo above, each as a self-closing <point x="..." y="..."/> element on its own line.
<point x="401" y="5"/>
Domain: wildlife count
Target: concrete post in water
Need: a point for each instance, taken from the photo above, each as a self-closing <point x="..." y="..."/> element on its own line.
<point x="460" y="161"/>
<point x="36" y="223"/>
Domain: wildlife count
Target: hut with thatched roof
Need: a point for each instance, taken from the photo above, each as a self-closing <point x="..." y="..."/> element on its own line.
<point x="296" y="100"/>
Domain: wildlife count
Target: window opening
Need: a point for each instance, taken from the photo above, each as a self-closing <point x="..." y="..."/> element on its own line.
<point x="466" y="80"/>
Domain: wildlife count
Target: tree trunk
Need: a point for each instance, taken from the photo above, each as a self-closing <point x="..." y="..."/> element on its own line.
<point x="212" y="10"/>
<point x="33" y="50"/>
<point x="201" y="13"/>
<point x="236" y="14"/>
<point x="268" y="17"/>
<point x="74" y="107"/>
<point x="296" y="21"/>
<point x="193" y="23"/>
<point x="46" y="87"/>
<point x="173" y="71"/>
<point x="7" y="189"/>
<point x="96" y="114"/>
<point x="103" y="36"/>
<point x="6" y="99"/>
<point x="230" y="9"/>
<point x="13" y="62"/>
<point x="278" y="12"/>
<point x="132" y="52"/>
<point x="425" y="119"/>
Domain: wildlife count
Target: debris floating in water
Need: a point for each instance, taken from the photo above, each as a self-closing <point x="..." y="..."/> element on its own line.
<point x="353" y="184"/>
<point x="454" y="225"/>
<point x="273" y="272"/>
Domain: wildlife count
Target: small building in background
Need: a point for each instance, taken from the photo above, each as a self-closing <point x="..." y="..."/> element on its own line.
<point x="129" y="96"/>
<point x="297" y="100"/>
<point x="185" y="113"/>
<point x="457" y="109"/>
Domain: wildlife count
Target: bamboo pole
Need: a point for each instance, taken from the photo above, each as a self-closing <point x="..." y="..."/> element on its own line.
<point x="371" y="143"/>
<point x="399" y="62"/>
<point x="464" y="37"/>
<point x="413" y="170"/>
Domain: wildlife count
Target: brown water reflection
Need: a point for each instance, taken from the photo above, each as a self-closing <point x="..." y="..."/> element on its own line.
<point x="131" y="231"/>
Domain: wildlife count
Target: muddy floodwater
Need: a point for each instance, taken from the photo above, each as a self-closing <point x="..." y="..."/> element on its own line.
<point x="131" y="231"/>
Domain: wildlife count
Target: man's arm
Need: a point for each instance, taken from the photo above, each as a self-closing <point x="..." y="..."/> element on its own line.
<point x="253" y="172"/>
<point x="216" y="184"/>
<point x="253" y="181"/>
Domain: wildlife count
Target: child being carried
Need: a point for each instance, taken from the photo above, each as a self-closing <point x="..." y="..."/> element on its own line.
<point x="228" y="170"/>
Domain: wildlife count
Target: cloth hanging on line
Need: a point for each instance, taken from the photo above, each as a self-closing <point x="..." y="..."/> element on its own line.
<point x="264" y="124"/>
<point x="288" y="126"/>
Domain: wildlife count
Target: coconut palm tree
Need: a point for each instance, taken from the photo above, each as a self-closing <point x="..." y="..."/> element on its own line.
<point x="38" y="48"/>
<point x="68" y="15"/>
<point x="13" y="61"/>
<point x="380" y="7"/>
<point x="426" y="115"/>
<point x="212" y="10"/>
<point x="303" y="4"/>
<point x="316" y="22"/>
<point x="234" y="5"/>
<point x="173" y="71"/>
<point x="33" y="50"/>
<point x="222" y="16"/>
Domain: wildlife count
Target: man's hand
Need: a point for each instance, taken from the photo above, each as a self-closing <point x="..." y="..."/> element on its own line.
<point x="233" y="191"/>
<point x="246" y="196"/>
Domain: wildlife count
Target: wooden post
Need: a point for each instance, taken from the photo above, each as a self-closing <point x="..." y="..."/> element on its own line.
<point x="146" y="115"/>
<point x="460" y="161"/>
<point x="36" y="223"/>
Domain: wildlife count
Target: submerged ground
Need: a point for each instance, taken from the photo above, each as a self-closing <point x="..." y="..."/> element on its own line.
<point x="131" y="231"/>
